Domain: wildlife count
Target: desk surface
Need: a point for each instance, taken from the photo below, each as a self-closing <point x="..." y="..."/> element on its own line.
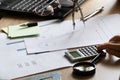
<point x="108" y="69"/>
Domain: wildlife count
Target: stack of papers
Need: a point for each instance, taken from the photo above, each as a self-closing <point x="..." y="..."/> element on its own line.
<point x="61" y="36"/>
<point x="56" y="36"/>
<point x="18" y="31"/>
<point x="16" y="63"/>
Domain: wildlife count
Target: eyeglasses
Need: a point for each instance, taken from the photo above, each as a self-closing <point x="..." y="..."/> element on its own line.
<point x="47" y="7"/>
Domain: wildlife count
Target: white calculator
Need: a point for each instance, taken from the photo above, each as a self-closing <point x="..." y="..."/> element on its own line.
<point x="82" y="53"/>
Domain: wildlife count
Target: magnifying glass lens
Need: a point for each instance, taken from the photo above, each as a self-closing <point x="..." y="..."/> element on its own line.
<point x="84" y="69"/>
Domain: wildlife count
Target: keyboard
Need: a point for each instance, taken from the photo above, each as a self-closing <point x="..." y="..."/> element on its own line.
<point x="28" y="5"/>
<point x="36" y="7"/>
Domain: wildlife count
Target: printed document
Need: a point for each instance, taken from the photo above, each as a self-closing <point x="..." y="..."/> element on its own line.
<point x="60" y="36"/>
<point x="16" y="63"/>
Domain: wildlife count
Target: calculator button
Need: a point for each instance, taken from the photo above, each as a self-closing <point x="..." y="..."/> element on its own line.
<point x="93" y="49"/>
<point x="90" y="51"/>
<point x="84" y="51"/>
<point x="87" y="52"/>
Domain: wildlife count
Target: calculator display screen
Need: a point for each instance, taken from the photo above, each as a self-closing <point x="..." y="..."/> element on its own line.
<point x="75" y="54"/>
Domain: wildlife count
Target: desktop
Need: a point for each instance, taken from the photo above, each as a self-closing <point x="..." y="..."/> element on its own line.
<point x="108" y="69"/>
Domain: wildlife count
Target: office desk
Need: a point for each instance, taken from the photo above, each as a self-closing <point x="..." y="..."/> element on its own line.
<point x="107" y="69"/>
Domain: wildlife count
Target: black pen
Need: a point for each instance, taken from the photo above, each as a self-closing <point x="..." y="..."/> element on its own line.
<point x="30" y="24"/>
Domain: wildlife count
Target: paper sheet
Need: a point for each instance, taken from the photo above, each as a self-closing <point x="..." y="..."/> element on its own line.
<point x="16" y="63"/>
<point x="59" y="36"/>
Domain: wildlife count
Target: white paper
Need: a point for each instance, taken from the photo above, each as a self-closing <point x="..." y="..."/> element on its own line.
<point x="59" y="36"/>
<point x="16" y="63"/>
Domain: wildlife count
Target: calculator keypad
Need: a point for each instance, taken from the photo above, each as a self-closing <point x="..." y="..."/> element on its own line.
<point x="89" y="50"/>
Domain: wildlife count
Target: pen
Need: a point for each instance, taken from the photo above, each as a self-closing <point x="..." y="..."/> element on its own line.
<point x="30" y="24"/>
<point x="94" y="13"/>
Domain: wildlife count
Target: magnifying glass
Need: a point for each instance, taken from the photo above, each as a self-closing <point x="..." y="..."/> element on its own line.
<point x="87" y="68"/>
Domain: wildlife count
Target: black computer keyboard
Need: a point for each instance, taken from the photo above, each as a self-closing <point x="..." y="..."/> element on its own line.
<point x="32" y="6"/>
<point x="35" y="7"/>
